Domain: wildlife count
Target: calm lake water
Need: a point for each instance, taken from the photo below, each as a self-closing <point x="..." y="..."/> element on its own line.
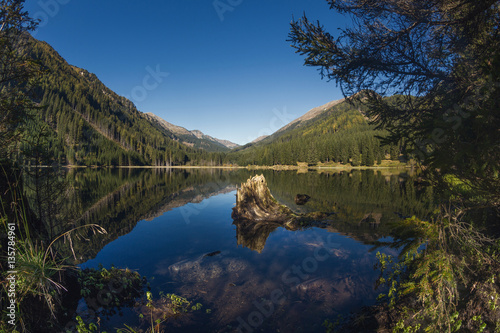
<point x="175" y="228"/>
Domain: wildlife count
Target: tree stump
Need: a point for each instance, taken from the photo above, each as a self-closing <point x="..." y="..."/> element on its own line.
<point x="255" y="204"/>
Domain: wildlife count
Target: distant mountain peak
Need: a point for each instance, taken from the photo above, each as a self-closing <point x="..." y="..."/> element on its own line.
<point x="336" y="133"/>
<point x="260" y="138"/>
<point x="198" y="134"/>
<point x="192" y="137"/>
<point x="171" y="127"/>
<point x="313" y="113"/>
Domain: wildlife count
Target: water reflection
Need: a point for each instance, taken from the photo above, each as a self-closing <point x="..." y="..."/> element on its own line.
<point x="118" y="199"/>
<point x="253" y="235"/>
<point x="175" y="227"/>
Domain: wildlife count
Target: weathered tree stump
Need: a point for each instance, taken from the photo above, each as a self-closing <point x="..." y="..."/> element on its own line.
<point x="255" y="204"/>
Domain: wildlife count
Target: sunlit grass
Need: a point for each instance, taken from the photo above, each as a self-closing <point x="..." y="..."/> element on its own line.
<point x="37" y="274"/>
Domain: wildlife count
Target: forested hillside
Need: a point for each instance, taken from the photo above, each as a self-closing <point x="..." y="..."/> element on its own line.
<point x="82" y="122"/>
<point x="341" y="134"/>
<point x="195" y="139"/>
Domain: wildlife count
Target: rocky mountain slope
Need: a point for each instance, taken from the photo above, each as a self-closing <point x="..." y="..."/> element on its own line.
<point x="86" y="123"/>
<point x="194" y="138"/>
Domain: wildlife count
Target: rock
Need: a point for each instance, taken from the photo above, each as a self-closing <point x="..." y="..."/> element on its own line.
<point x="203" y="269"/>
<point x="302" y="199"/>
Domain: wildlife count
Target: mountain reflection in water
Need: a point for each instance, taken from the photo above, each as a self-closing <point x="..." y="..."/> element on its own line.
<point x="175" y="228"/>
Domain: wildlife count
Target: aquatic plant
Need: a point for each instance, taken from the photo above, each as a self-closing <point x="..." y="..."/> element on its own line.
<point x="109" y="289"/>
<point x="158" y="311"/>
<point x="81" y="327"/>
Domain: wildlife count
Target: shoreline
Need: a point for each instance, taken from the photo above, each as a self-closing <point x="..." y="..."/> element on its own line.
<point x="250" y="167"/>
<point x="300" y="166"/>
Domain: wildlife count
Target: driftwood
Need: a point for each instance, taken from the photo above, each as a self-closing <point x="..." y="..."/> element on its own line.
<point x="256" y="205"/>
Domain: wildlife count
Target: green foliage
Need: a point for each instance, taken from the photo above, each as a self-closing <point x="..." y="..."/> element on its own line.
<point x="180" y="304"/>
<point x="331" y="327"/>
<point x="158" y="311"/>
<point x="120" y="287"/>
<point x="81" y="327"/>
<point x="445" y="113"/>
<point x="88" y="124"/>
<point x="17" y="74"/>
<point x="446" y="78"/>
<point x="341" y="134"/>
<point x="435" y="285"/>
<point x="37" y="274"/>
<point x="40" y="273"/>
<point x="107" y="289"/>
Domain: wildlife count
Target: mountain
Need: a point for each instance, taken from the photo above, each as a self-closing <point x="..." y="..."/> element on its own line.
<point x="86" y="123"/>
<point x="311" y="114"/>
<point x="336" y="132"/>
<point x="225" y="143"/>
<point x="80" y="121"/>
<point x="194" y="138"/>
<point x="260" y="138"/>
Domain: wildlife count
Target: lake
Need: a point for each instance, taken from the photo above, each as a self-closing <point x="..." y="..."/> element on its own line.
<point x="174" y="227"/>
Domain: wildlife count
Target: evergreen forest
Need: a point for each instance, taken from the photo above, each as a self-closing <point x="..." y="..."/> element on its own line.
<point x="420" y="81"/>
<point x="79" y="121"/>
<point x="342" y="134"/>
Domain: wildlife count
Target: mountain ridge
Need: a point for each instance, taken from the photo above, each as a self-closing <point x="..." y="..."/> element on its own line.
<point x="92" y="125"/>
<point x="188" y="137"/>
<point x="87" y="123"/>
<point x="311" y="114"/>
<point x="336" y="132"/>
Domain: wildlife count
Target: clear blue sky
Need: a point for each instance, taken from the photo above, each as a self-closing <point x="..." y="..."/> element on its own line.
<point x="231" y="72"/>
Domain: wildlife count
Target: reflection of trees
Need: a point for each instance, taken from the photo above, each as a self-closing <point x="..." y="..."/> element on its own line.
<point x="254" y="234"/>
<point x="364" y="203"/>
<point x="354" y="193"/>
<point x="118" y="199"/>
<point x="45" y="191"/>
